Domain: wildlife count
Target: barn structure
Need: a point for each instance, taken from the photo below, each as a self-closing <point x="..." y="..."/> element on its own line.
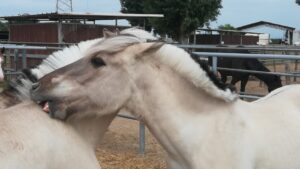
<point x="224" y="37"/>
<point x="60" y="29"/>
<point x="288" y="30"/>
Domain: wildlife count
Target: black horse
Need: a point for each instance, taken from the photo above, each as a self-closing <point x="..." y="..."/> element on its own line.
<point x="272" y="81"/>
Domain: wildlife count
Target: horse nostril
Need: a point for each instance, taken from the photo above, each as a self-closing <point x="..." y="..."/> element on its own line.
<point x="35" y="86"/>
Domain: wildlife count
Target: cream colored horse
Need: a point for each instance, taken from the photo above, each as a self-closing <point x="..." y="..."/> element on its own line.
<point x="30" y="139"/>
<point x="199" y="125"/>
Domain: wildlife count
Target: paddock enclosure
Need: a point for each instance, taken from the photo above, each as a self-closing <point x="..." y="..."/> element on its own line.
<point x="123" y="144"/>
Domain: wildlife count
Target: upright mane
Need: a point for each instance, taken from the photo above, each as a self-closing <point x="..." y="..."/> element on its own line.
<point x="181" y="62"/>
<point x="73" y="53"/>
<point x="67" y="56"/>
<point x="175" y="57"/>
<point x="63" y="57"/>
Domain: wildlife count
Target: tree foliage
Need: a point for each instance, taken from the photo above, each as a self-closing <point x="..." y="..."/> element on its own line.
<point x="226" y="27"/>
<point x="298" y="2"/>
<point x="181" y="17"/>
<point x="133" y="6"/>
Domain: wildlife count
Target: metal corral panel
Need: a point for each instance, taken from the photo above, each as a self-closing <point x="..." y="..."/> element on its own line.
<point x="236" y="39"/>
<point x="227" y="39"/>
<point x="34" y="32"/>
<point x="74" y="33"/>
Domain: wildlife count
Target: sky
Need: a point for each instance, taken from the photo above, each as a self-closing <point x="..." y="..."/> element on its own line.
<point x="234" y="12"/>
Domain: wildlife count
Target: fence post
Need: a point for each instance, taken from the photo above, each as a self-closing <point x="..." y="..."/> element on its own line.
<point x="24" y="60"/>
<point x="215" y="64"/>
<point x="16" y="54"/>
<point x="142" y="138"/>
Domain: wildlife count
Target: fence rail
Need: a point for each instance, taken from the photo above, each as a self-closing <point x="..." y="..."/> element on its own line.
<point x="214" y="55"/>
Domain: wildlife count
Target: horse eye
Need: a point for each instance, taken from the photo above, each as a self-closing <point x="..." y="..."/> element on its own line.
<point x="97" y="62"/>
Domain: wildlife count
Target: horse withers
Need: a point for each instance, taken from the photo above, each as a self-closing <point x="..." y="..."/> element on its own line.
<point x="198" y="124"/>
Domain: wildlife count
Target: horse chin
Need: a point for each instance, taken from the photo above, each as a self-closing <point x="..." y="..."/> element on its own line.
<point x="56" y="112"/>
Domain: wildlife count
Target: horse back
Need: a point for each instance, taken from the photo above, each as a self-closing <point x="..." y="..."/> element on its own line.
<point x="29" y="138"/>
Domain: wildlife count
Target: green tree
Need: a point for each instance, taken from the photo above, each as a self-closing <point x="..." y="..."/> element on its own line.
<point x="181" y="17"/>
<point x="226" y="27"/>
<point x="133" y="6"/>
<point x="298" y="2"/>
<point x="3" y="26"/>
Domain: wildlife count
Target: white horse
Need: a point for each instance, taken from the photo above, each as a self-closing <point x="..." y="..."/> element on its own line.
<point x="199" y="125"/>
<point x="29" y="139"/>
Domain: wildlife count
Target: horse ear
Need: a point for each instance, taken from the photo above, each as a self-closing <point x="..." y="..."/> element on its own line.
<point x="107" y="33"/>
<point x="149" y="48"/>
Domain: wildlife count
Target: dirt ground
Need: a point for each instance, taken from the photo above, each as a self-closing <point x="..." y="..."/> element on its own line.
<point x="119" y="148"/>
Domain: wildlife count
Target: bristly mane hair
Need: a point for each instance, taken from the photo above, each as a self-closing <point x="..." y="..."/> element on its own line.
<point x="178" y="59"/>
<point x="217" y="81"/>
<point x="64" y="57"/>
<point x="71" y="54"/>
<point x="182" y="62"/>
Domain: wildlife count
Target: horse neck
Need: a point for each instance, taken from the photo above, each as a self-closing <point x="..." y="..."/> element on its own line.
<point x="170" y="105"/>
<point x="92" y="128"/>
<point x="254" y="64"/>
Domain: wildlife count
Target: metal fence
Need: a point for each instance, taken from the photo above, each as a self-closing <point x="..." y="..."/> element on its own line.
<point x="216" y="55"/>
<point x="19" y="51"/>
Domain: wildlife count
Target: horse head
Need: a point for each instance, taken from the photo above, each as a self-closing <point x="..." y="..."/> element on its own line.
<point x="275" y="83"/>
<point x="106" y="79"/>
<point x="105" y="70"/>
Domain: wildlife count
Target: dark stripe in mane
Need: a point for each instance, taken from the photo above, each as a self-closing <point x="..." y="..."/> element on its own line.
<point x="212" y="76"/>
<point x="29" y="75"/>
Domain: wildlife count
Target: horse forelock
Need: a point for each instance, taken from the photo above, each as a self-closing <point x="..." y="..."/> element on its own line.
<point x="181" y="62"/>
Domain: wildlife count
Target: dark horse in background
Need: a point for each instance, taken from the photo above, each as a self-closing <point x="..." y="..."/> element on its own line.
<point x="272" y="81"/>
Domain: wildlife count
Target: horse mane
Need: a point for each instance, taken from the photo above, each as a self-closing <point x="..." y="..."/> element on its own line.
<point x="73" y="53"/>
<point x="175" y="57"/>
<point x="21" y="87"/>
<point x="181" y="61"/>
<point x="217" y="81"/>
<point x="63" y="57"/>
